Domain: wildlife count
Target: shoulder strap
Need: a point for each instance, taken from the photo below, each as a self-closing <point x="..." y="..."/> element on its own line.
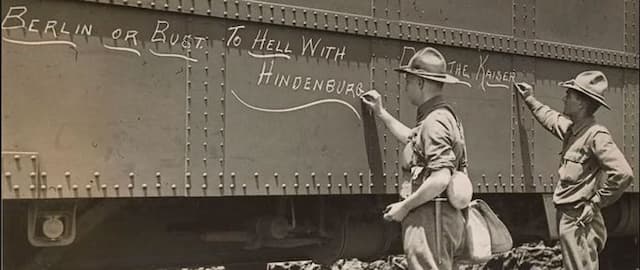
<point x="464" y="161"/>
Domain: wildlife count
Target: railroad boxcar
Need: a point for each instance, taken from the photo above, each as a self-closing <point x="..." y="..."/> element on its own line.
<point x="159" y="133"/>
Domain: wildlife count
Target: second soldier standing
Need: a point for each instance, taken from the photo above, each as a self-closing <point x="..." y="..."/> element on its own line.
<point x="432" y="229"/>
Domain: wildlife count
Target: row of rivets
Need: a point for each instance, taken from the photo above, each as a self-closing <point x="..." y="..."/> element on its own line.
<point x="613" y="57"/>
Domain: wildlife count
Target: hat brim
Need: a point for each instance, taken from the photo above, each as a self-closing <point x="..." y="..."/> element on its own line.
<point x="572" y="85"/>
<point x="438" y="77"/>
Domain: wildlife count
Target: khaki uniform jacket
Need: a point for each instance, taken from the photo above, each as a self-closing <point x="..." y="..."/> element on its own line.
<point x="592" y="167"/>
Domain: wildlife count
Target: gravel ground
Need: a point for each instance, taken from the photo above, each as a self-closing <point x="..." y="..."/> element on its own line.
<point x="531" y="256"/>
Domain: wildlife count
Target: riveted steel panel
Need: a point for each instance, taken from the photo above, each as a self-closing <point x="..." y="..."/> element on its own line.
<point x="522" y="178"/>
<point x="106" y="115"/>
<point x="631" y="21"/>
<point x="204" y="108"/>
<point x="390" y="25"/>
<point x="361" y="7"/>
<point x="21" y="175"/>
<point x="631" y="141"/>
<point x="386" y="55"/>
<point x="489" y="97"/>
<point x="292" y="105"/>
<point x="524" y="19"/>
<point x="471" y="15"/>
<point x="593" y="23"/>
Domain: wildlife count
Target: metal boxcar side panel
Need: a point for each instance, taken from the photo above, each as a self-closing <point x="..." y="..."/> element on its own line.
<point x="100" y="119"/>
<point x="293" y="119"/>
<point x="593" y="24"/>
<point x="217" y="119"/>
<point x="205" y="91"/>
<point x="630" y="124"/>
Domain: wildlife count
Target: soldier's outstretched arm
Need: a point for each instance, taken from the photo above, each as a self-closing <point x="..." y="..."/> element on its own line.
<point x="551" y="120"/>
<point x="614" y="165"/>
<point x="397" y="128"/>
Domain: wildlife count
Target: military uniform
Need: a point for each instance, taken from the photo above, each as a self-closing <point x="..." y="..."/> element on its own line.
<point x="592" y="170"/>
<point x="439" y="144"/>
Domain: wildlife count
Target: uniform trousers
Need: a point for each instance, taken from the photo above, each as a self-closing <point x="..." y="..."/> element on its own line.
<point x="419" y="237"/>
<point x="580" y="243"/>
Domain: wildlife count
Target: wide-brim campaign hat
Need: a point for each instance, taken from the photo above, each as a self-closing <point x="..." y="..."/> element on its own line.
<point x="592" y="83"/>
<point x="430" y="64"/>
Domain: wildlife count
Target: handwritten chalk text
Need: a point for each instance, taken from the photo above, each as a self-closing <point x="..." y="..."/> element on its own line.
<point x="15" y="20"/>
<point x="299" y="82"/>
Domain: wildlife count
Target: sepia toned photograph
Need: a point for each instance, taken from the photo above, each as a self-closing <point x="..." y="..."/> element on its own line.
<point x="320" y="135"/>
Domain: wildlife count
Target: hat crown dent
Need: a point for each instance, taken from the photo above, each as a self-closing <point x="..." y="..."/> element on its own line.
<point x="429" y="60"/>
<point x="593" y="81"/>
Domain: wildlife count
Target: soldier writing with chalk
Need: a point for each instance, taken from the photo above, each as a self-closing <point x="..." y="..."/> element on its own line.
<point x="593" y="171"/>
<point x="432" y="225"/>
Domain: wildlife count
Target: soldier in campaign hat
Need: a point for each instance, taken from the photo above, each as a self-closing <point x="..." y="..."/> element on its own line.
<point x="432" y="225"/>
<point x="593" y="171"/>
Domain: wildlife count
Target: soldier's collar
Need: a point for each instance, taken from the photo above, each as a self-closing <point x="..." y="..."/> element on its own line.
<point x="429" y="106"/>
<point x="578" y="127"/>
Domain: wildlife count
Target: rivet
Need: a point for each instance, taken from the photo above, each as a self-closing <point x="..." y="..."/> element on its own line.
<point x="187" y="174"/>
<point x="317" y="185"/>
<point x="233" y="174"/>
<point x="220" y="186"/>
<point x="32" y="187"/>
<point x="131" y="174"/>
<point x="144" y="186"/>
<point x="307" y="186"/>
<point x="116" y="186"/>
<point x="103" y="186"/>
<point x="266" y="185"/>
<point x="43" y="174"/>
<point x="16" y="187"/>
<point x="313" y="174"/>
<point x="187" y="186"/>
<point x="59" y="187"/>
<point x="87" y="186"/>
<point x="204" y="186"/>
<point x="73" y="187"/>
<point x="158" y="185"/>
<point x="16" y="157"/>
<point x="130" y="186"/>
<point x="67" y="174"/>
<point x="204" y="175"/>
<point x="7" y="174"/>
<point x="158" y="174"/>
<point x="33" y="157"/>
